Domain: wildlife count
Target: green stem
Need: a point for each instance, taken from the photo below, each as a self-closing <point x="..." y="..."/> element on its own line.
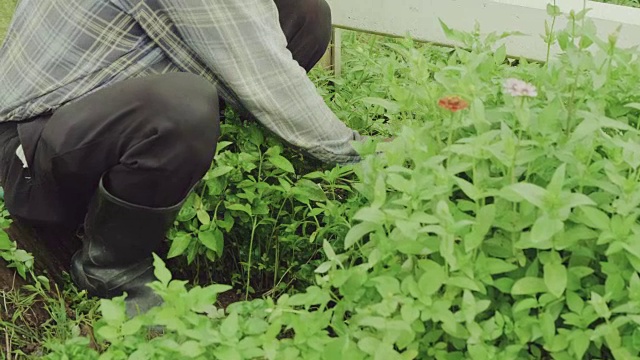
<point x="204" y="187"/>
<point x="571" y="105"/>
<point x="277" y="246"/>
<point x="450" y="135"/>
<point x="549" y="40"/>
<point x="588" y="163"/>
<point x="518" y="133"/>
<point x="253" y="233"/>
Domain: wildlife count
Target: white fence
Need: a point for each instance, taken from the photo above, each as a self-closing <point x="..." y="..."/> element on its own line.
<point x="420" y="20"/>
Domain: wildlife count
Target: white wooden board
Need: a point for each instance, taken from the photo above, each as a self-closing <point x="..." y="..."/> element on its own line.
<point x="419" y="19"/>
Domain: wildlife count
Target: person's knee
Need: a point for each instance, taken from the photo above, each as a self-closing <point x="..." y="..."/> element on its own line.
<point x="186" y="111"/>
<point x="318" y="23"/>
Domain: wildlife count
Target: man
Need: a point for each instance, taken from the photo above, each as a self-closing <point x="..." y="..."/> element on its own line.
<point x="109" y="114"/>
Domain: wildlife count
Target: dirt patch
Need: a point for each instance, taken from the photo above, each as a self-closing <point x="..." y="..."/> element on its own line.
<point x="21" y="317"/>
<point x="227" y="298"/>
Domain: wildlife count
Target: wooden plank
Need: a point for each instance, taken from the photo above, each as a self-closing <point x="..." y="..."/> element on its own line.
<point x="326" y="61"/>
<point x="419" y="19"/>
<point x="332" y="57"/>
<point x="337" y="51"/>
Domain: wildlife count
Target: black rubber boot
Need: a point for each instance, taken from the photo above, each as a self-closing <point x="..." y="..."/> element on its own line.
<point x="116" y="257"/>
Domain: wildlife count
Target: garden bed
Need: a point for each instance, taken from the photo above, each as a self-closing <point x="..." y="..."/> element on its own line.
<point x="501" y="223"/>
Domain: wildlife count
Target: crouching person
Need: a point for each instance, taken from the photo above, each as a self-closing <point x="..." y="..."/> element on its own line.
<point x="109" y="114"/>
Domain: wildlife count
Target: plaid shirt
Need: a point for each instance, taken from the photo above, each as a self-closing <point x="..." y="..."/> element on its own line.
<point x="59" y="51"/>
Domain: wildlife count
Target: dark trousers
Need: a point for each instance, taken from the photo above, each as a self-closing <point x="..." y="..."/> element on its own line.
<point x="151" y="139"/>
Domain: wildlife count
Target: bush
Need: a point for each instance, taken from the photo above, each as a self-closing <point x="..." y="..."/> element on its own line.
<point x="500" y="223"/>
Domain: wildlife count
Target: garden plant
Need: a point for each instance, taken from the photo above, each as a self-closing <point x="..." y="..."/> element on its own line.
<point x="500" y="223"/>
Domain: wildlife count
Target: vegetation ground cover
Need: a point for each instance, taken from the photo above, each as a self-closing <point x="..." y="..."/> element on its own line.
<point x="498" y="226"/>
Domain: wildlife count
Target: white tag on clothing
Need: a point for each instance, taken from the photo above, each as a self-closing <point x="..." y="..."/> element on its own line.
<point x="21" y="156"/>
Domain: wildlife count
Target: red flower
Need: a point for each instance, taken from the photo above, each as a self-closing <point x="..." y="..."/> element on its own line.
<point x="453" y="103"/>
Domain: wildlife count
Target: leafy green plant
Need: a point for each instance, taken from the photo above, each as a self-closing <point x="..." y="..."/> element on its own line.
<point x="501" y="223"/>
<point x="16" y="258"/>
<point x="253" y="209"/>
<point x="632" y="3"/>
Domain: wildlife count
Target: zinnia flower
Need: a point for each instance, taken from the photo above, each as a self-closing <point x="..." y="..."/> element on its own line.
<point x="453" y="103"/>
<point x="519" y="88"/>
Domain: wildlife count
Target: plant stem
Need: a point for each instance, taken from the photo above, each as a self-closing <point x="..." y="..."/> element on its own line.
<point x="277" y="246"/>
<point x="253" y="233"/>
<point x="571" y="105"/>
<point x="549" y="40"/>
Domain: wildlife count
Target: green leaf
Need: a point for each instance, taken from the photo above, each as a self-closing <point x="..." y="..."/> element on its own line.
<point x="387" y="286"/>
<point x="497" y="266"/>
<point x="547" y="327"/>
<point x="191" y="349"/>
<point x="379" y="192"/>
<point x="306" y="190"/>
<point x="230" y="326"/>
<point x="213" y="240"/>
<point x="633" y="106"/>
<point x="400" y="183"/>
<point x="340" y="348"/>
<point x="219" y="171"/>
<point x="555" y="278"/>
<point x="553" y="10"/>
<point x="239" y="207"/>
<point x="369" y="345"/>
<point x="484" y="220"/>
<point x="5" y="242"/>
<point x="468" y="188"/>
<point x="223" y="145"/>
<point x="545" y="228"/>
<point x="463" y="282"/>
<point x="531" y="193"/>
<point x="528" y="286"/>
<point x="256" y="137"/>
<point x="574" y="302"/>
<point x="132" y="326"/>
<point x="227" y="352"/>
<point x="203" y="217"/>
<point x="453" y="34"/>
<point x="108" y="332"/>
<point x="160" y="270"/>
<point x="432" y="279"/>
<point x="282" y="163"/>
<point x="179" y="245"/>
<point x="525" y="305"/>
<point x="409" y="313"/>
<point x="388" y="105"/>
<point x="578" y="200"/>
<point x="370" y="214"/>
<point x="579" y="343"/>
<point x="328" y="250"/>
<point x="557" y="180"/>
<point x="357" y="232"/>
<point x="600" y="305"/>
<point x="324" y="267"/>
<point x="44" y="281"/>
<point x="595" y="218"/>
<point x="113" y="311"/>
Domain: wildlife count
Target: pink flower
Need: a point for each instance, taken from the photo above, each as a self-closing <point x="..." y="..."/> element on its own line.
<point x="516" y="87"/>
